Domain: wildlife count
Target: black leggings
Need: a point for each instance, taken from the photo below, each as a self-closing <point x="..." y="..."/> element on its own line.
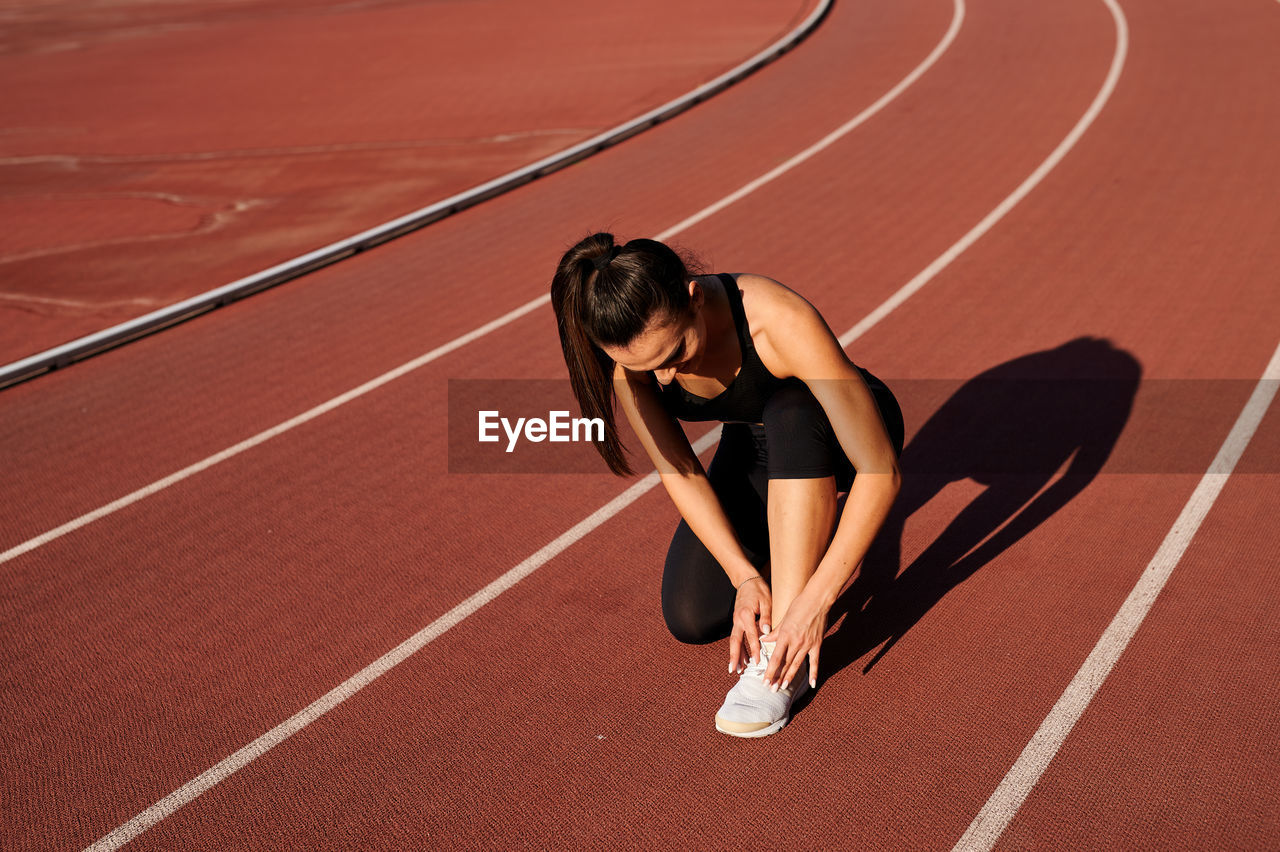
<point x="795" y="442"/>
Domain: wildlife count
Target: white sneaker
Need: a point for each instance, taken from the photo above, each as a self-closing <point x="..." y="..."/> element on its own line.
<point x="752" y="709"/>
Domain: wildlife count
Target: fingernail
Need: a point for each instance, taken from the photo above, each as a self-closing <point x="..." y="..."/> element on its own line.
<point x="774" y="687"/>
<point x="785" y="684"/>
<point x="764" y="627"/>
<point x="731" y="668"/>
<point x="813" y="683"/>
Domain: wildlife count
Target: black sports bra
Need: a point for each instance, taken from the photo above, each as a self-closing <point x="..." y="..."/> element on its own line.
<point x="743" y="400"/>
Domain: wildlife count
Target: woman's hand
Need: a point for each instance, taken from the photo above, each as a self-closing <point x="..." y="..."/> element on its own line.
<point x="754" y="599"/>
<point x="799" y="635"/>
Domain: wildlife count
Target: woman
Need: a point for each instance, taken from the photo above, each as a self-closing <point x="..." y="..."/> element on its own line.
<point x="755" y="547"/>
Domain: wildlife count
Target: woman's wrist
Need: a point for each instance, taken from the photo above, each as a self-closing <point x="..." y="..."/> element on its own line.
<point x="744" y="580"/>
<point x="823" y="589"/>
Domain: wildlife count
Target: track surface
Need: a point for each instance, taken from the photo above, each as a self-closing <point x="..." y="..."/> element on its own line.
<point x="155" y="150"/>
<point x="145" y="647"/>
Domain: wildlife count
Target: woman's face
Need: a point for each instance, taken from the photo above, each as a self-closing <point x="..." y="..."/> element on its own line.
<point x="668" y="345"/>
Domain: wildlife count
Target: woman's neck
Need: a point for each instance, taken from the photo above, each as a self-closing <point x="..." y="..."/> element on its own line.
<point x="722" y="360"/>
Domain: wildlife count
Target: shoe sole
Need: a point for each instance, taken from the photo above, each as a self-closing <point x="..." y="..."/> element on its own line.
<point x="763" y="732"/>
<point x="768" y="729"/>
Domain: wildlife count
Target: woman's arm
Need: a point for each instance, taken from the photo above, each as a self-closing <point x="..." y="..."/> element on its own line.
<point x="794" y="340"/>
<point x="687" y="484"/>
<point x="682" y="473"/>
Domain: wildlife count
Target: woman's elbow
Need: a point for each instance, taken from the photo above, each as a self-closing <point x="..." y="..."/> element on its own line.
<point x="890" y="478"/>
<point x="886" y="476"/>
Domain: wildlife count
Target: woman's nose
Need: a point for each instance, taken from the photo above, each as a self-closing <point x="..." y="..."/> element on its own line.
<point x="665" y="376"/>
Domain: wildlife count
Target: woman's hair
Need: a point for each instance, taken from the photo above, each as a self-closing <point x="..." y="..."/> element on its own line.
<point x="605" y="295"/>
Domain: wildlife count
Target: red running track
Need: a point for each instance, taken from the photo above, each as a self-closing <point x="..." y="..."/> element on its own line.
<point x="153" y="151"/>
<point x="145" y="647"/>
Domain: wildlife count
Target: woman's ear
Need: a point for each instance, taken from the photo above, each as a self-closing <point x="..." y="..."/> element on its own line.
<point x="697" y="294"/>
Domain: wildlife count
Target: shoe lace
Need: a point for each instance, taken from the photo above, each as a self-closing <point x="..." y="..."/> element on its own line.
<point x="757" y="669"/>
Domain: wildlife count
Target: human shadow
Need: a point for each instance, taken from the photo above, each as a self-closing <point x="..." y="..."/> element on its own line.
<point x="1010" y="428"/>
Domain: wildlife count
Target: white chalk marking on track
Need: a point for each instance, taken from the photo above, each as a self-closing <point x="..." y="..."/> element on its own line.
<point x="1008" y="797"/>
<point x="246" y="755"/>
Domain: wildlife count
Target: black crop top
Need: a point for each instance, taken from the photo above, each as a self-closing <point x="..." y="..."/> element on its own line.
<point x="743" y="400"/>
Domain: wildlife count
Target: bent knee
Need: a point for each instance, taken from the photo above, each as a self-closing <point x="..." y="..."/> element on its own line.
<point x="696" y="628"/>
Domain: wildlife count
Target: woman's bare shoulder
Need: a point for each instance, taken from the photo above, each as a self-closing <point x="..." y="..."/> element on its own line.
<point x="771" y="306"/>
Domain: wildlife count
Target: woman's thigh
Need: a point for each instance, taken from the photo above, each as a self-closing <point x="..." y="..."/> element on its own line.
<point x="800" y="443"/>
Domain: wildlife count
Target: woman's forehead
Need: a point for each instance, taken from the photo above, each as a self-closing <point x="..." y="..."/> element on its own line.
<point x="652" y="346"/>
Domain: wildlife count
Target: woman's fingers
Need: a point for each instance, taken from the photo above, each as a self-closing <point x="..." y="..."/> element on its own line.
<point x="777" y="663"/>
<point x="793" y="668"/>
<point x="787" y="659"/>
<point x="744" y="641"/>
<point x="752" y="602"/>
<point x="753" y="639"/>
<point x="766" y="618"/>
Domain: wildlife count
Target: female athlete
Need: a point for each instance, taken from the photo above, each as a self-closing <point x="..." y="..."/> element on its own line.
<point x="759" y="555"/>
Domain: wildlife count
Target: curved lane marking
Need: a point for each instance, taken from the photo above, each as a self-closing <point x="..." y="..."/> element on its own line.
<point x="475" y="334"/>
<point x="251" y="752"/>
<point x="1013" y="790"/>
<point x="1039" y="752"/>
<point x="1033" y="180"/>
<point x="169" y="315"/>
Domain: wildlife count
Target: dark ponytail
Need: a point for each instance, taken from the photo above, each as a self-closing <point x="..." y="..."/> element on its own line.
<point x="604" y="295"/>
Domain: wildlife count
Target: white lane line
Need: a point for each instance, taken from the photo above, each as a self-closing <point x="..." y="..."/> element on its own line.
<point x="1005" y="802"/>
<point x="323" y="408"/>
<point x="149" y="323"/>
<point x="376" y="669"/>
<point x="944" y="260"/>
<point x="266" y="435"/>
<point x="831" y="138"/>
<point x="246" y="755"/>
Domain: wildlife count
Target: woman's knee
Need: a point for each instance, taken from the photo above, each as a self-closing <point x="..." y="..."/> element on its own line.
<point x="696" y="609"/>
<point x="697" y="597"/>
<point x="694" y="627"/>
